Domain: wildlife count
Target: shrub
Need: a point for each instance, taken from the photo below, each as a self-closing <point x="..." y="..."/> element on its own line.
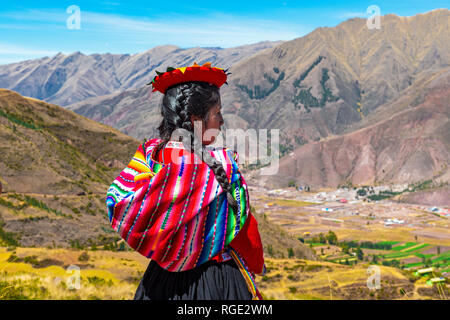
<point x="270" y="250"/>
<point x="8" y="238"/>
<point x="83" y="257"/>
<point x="290" y="253"/>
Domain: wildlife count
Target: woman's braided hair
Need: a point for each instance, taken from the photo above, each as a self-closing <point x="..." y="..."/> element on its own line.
<point x="179" y="103"/>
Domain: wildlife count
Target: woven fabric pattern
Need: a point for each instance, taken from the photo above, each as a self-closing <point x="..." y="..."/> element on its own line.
<point x="177" y="213"/>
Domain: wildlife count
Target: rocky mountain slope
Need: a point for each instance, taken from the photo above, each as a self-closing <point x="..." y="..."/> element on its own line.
<point x="409" y="146"/>
<point x="55" y="167"/>
<point x="310" y="88"/>
<point x="67" y="79"/>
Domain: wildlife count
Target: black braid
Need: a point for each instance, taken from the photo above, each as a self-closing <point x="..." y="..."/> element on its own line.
<point x="179" y="103"/>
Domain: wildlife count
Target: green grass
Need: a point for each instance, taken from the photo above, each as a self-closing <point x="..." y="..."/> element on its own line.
<point x="20" y="290"/>
<point x="405" y="246"/>
<point x="426" y="256"/>
<point x="401" y="252"/>
<point x="416" y="264"/>
<point x="442" y="256"/>
<point x="317" y="244"/>
<point x="406" y="250"/>
<point x="18" y="119"/>
<point x="417" y="248"/>
<point x="396" y="255"/>
<point x="8" y="238"/>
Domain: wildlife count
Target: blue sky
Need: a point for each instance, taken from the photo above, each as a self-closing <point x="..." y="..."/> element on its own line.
<point x="34" y="29"/>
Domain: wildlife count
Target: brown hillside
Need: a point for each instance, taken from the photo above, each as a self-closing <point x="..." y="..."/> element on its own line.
<point x="411" y="145"/>
<point x="55" y="167"/>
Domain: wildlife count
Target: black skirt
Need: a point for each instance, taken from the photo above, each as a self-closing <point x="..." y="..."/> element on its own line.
<point x="209" y="281"/>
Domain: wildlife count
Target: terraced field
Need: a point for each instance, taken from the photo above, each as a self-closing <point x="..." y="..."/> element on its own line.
<point x="410" y="255"/>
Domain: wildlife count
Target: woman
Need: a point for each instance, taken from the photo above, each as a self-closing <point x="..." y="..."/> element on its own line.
<point x="185" y="205"/>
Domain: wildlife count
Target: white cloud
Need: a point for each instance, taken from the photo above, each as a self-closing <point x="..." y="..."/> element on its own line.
<point x="11" y="49"/>
<point x="10" y="53"/>
<point x="215" y="29"/>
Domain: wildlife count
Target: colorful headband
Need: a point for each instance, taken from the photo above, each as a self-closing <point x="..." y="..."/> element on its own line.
<point x="204" y="73"/>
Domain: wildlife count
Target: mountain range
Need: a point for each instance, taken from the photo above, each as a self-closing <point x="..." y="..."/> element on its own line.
<point x="311" y="87"/>
<point x="351" y="103"/>
<point x="67" y="79"/>
<point x="409" y="146"/>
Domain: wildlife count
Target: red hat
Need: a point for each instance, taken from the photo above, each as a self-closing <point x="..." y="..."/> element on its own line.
<point x="204" y="73"/>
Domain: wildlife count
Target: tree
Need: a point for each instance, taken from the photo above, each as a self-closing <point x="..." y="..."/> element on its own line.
<point x="345" y="247"/>
<point x="374" y="258"/>
<point x="290" y="252"/>
<point x="361" y="192"/>
<point x="332" y="238"/>
<point x="359" y="254"/>
<point x="322" y="238"/>
<point x="438" y="250"/>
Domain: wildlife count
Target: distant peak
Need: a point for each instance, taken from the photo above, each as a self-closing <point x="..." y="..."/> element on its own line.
<point x="165" y="46"/>
<point x="77" y="53"/>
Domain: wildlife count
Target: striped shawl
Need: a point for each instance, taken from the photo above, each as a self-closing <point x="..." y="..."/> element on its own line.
<point x="178" y="214"/>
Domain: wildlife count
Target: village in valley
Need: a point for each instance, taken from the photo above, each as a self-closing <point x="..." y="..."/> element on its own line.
<point x="351" y="225"/>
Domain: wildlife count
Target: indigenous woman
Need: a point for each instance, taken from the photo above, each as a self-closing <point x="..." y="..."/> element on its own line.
<point x="184" y="204"/>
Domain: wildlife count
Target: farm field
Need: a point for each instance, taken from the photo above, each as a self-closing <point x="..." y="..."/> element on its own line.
<point x="303" y="212"/>
<point x="307" y="212"/>
<point x="41" y="273"/>
<point x="410" y="256"/>
<point x="416" y="239"/>
<point x="48" y="271"/>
